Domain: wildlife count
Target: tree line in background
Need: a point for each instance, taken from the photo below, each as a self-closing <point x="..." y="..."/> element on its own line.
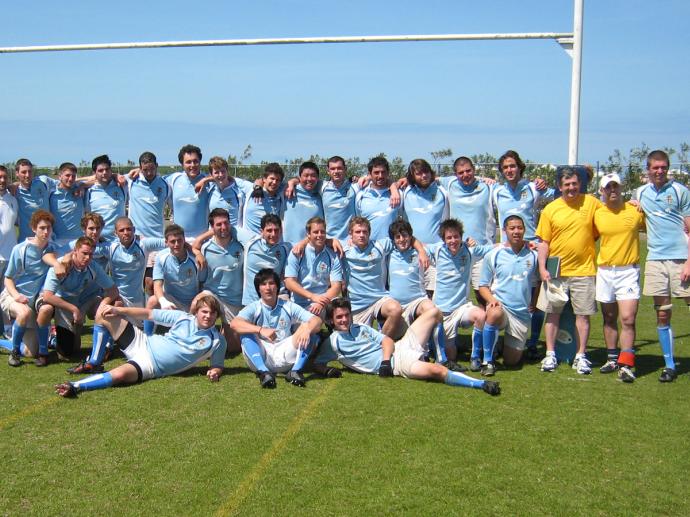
<point x="630" y="166"/>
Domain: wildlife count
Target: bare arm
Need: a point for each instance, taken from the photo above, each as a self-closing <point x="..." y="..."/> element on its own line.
<point x="305" y="330"/>
<point x="134" y="312"/>
<point x="12" y="289"/>
<point x="685" y="272"/>
<point x="59" y="267"/>
<point x="423" y="257"/>
<point x="388" y="347"/>
<point x="51" y="298"/>
<point x="491" y="300"/>
<point x="542" y="255"/>
<point x="244" y="327"/>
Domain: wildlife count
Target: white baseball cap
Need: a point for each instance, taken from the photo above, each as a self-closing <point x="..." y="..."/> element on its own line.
<point x="610" y="178"/>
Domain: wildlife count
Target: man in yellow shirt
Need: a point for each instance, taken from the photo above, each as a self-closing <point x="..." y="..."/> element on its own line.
<point x="566" y="230"/>
<point x="618" y="276"/>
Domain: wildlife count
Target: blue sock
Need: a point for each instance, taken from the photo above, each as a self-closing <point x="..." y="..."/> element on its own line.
<point x="303" y="354"/>
<point x="438" y="339"/>
<point x="100" y="340"/>
<point x="537" y="323"/>
<point x="476" y="343"/>
<point x="17" y="337"/>
<point x="43" y="335"/>
<point x="252" y="350"/>
<point x="6" y="344"/>
<point x="148" y="327"/>
<point x="94" y="382"/>
<point x="489" y="338"/>
<point x="666" y="341"/>
<point x="460" y="379"/>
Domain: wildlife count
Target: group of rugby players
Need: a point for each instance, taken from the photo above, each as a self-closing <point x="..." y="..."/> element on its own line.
<point x="275" y="260"/>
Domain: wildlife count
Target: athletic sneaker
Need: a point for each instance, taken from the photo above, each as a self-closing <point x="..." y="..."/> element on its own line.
<point x="86" y="367"/>
<point x="609" y="366"/>
<point x="41" y="360"/>
<point x="668" y="375"/>
<point x="267" y="380"/>
<point x="453" y="366"/>
<point x="492" y="388"/>
<point x="475" y="364"/>
<point x="14" y="359"/>
<point x="66" y="389"/>
<point x="582" y="365"/>
<point x="295" y="378"/>
<point x="549" y="363"/>
<point x="488" y="370"/>
<point x="626" y="374"/>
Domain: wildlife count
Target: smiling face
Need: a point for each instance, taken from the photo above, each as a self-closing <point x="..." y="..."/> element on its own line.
<point x="336" y="171"/>
<point x="220" y="175"/>
<point x="379" y="176"/>
<point x="67" y="178"/>
<point x="657" y="172"/>
<point x="510" y="170"/>
<point x="403" y="241"/>
<point x="570" y="187"/>
<point x="191" y="163"/>
<point x="317" y="236"/>
<point x="221" y="227"/>
<point x="3" y="181"/>
<point x="453" y="240"/>
<point x="515" y="231"/>
<point x="271" y="234"/>
<point x="342" y="319"/>
<point x="25" y="175"/>
<point x="308" y="179"/>
<point x="272" y="183"/>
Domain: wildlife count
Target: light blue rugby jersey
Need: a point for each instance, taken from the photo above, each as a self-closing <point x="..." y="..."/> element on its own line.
<point x="255" y="209"/>
<point x="424" y="210"/>
<point x="68" y="210"/>
<point x="180" y="278"/>
<point x="190" y="210"/>
<point x="453" y="274"/>
<point x="232" y="198"/>
<point x="128" y="266"/>
<point x="146" y="204"/>
<point x="511" y="278"/>
<point x="303" y="206"/>
<point x="27" y="269"/>
<point x="109" y="202"/>
<point x="405" y="276"/>
<point x="338" y="207"/>
<point x="77" y="287"/>
<point x="359" y="349"/>
<point x="522" y="201"/>
<point x="314" y="272"/>
<point x="474" y="206"/>
<point x="280" y="318"/>
<point x="365" y="272"/>
<point x="31" y="199"/>
<point x="184" y="345"/>
<point x="223" y="274"/>
<point x="257" y="256"/>
<point x="665" y="210"/>
<point x="374" y="205"/>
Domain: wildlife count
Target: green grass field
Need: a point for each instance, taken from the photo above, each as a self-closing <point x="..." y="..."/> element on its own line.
<point x="553" y="444"/>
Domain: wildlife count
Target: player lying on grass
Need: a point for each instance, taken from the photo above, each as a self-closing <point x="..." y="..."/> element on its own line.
<point x="265" y="326"/>
<point x="190" y="340"/>
<point x="361" y="348"/>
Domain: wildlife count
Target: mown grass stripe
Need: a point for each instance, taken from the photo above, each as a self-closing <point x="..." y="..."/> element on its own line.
<point x="232" y="504"/>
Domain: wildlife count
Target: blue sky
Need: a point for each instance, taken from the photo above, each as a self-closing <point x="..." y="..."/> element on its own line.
<point x="405" y="99"/>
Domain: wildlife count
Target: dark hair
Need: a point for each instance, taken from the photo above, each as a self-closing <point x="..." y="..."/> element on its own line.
<point x="23" y="161"/>
<point x="274" y="168"/>
<point x="125" y="219"/>
<point x="566" y="173"/>
<point x="217" y="212"/>
<point x="515" y="156"/>
<point x="336" y="159"/>
<point x="378" y="161"/>
<point x="450" y="224"/>
<point x="188" y="149"/>
<point x="418" y="165"/>
<point x="99" y="160"/>
<point x="263" y="275"/>
<point x="173" y="229"/>
<point x="3" y="168"/>
<point x="463" y="159"/>
<point x="338" y="303"/>
<point x="511" y="217"/>
<point x="658" y="155"/>
<point x="271" y="219"/>
<point x="399" y="226"/>
<point x="67" y="166"/>
<point x="147" y="157"/>
<point x="309" y="165"/>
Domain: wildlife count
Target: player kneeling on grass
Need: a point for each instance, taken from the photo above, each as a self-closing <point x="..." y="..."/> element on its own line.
<point x="190" y="340"/>
<point x="265" y="326"/>
<point x="365" y="350"/>
<point x="508" y="284"/>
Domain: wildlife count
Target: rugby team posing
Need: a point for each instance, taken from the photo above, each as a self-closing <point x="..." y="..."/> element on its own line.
<point x="275" y="260"/>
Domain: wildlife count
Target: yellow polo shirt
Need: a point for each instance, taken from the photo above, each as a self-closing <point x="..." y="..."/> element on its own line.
<point x="620" y="235"/>
<point x="569" y="230"/>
